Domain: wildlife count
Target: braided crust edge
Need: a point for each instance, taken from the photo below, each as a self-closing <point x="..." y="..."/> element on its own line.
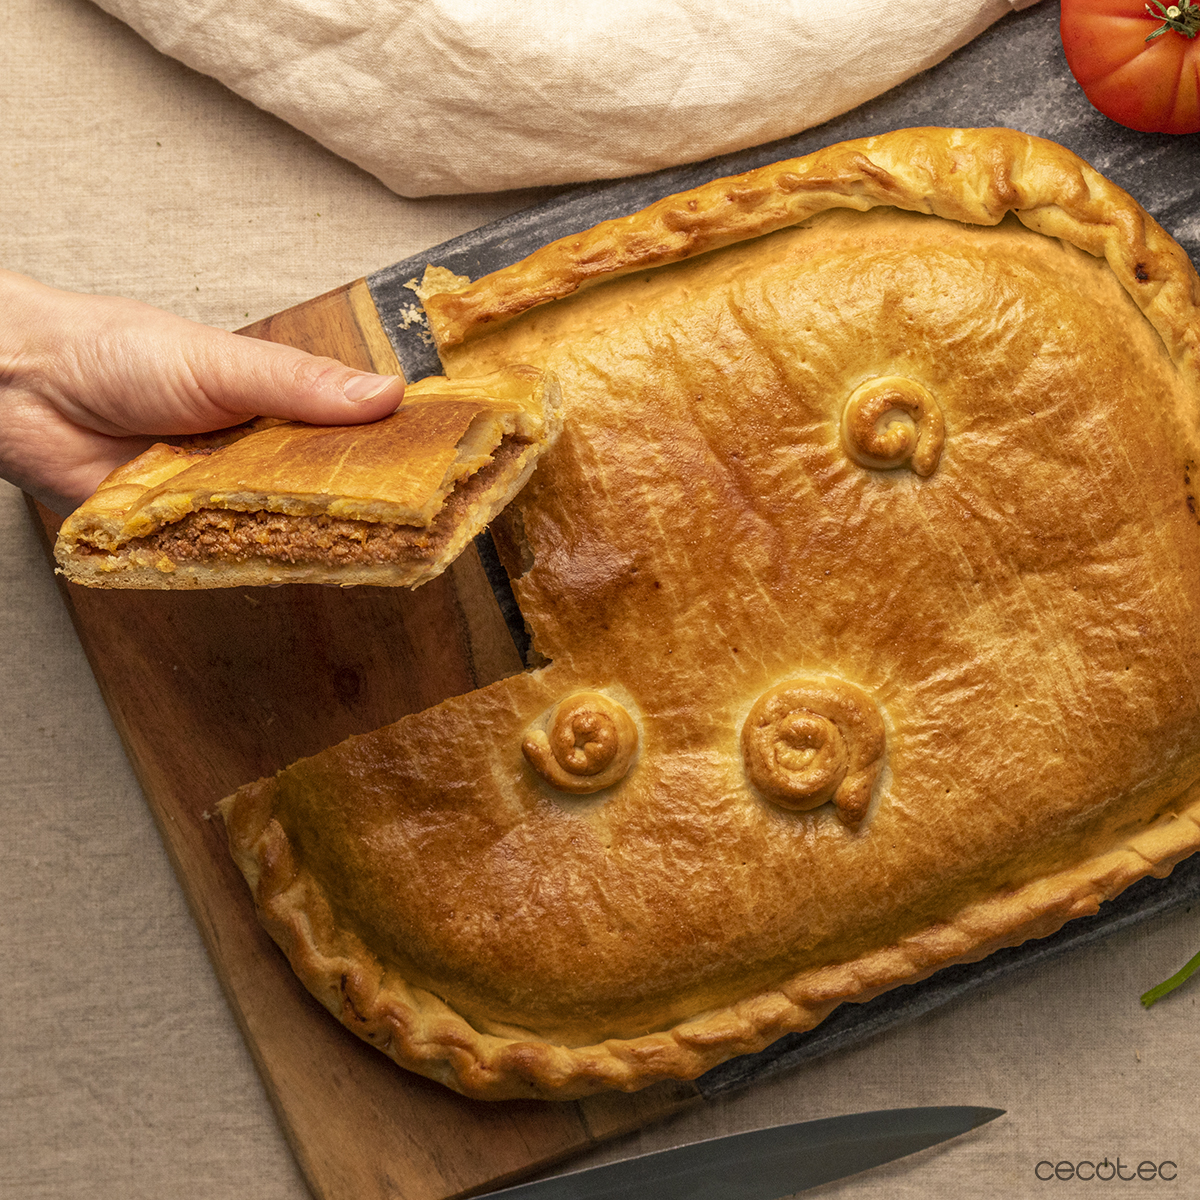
<point x="423" y="1034"/>
<point x="976" y="176"/>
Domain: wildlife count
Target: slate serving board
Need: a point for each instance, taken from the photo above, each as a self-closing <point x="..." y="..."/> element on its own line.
<point x="1015" y="75"/>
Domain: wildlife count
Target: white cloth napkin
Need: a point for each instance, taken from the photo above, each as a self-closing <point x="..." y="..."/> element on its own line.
<point x="450" y="96"/>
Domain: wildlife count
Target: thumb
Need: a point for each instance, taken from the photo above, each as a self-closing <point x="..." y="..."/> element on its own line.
<point x="163" y="374"/>
<point x="290" y="383"/>
<point x="121" y="368"/>
<point x="87" y="382"/>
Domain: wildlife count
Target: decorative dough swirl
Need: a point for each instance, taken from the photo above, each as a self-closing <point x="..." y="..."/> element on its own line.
<point x="891" y="421"/>
<point x="587" y="744"/>
<point x="808" y="741"/>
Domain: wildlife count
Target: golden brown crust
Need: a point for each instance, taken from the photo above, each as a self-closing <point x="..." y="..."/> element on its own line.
<point x="586" y="744"/>
<point x="984" y="662"/>
<point x="810" y="741"/>
<point x="339" y="498"/>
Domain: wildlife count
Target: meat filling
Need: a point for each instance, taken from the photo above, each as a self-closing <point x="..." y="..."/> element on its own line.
<point x="218" y="533"/>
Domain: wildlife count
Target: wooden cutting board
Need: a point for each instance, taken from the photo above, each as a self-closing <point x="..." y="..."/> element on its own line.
<point x="211" y="689"/>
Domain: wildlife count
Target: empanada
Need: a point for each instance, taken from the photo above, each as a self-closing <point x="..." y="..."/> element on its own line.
<point x="393" y="502"/>
<point x="865" y="573"/>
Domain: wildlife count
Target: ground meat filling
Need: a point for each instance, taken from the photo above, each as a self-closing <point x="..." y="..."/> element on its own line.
<point x="232" y="536"/>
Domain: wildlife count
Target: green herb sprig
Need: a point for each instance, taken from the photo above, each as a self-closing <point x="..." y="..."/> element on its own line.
<point x="1169" y="985"/>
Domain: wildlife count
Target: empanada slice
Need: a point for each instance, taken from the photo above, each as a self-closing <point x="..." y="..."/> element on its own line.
<point x="393" y="502"/>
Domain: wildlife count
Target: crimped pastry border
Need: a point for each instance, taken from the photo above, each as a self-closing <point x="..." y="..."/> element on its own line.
<point x="977" y="176"/>
<point x="421" y="1033"/>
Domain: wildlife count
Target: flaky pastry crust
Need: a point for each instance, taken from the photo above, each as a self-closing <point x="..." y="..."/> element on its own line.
<point x="868" y="552"/>
<point x="393" y="502"/>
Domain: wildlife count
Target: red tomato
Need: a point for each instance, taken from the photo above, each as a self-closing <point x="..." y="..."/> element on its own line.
<point x="1152" y="85"/>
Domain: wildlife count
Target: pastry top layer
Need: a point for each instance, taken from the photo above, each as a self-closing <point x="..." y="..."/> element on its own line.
<point x="869" y="555"/>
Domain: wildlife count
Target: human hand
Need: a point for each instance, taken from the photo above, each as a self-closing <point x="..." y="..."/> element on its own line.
<point x="89" y="382"/>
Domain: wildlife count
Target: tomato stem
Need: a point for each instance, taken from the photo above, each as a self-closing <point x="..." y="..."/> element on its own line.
<point x="1182" y="18"/>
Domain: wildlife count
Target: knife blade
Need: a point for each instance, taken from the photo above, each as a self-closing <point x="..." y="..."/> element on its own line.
<point x="762" y="1164"/>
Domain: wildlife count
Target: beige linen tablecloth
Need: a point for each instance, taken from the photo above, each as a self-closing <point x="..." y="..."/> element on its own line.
<point x="122" y="1075"/>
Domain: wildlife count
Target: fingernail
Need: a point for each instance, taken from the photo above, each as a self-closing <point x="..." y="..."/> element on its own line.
<point x="366" y="387"/>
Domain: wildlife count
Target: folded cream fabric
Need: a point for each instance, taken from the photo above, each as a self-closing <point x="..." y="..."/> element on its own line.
<point x="447" y="96"/>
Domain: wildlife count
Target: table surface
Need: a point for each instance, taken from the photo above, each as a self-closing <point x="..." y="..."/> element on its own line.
<point x="122" y="1074"/>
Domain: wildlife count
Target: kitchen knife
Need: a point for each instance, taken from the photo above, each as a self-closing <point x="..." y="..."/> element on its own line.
<point x="763" y="1164"/>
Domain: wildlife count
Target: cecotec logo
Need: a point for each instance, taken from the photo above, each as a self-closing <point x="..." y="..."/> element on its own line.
<point x="1106" y="1170"/>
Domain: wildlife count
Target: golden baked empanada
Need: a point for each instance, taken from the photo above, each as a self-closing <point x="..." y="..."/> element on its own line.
<point x="392" y="502"/>
<point x="866" y="576"/>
